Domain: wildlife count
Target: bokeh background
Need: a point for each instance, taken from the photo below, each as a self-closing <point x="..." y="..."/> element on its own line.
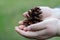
<point x="11" y="12"/>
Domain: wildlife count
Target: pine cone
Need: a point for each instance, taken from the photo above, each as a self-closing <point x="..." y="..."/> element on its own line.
<point x="35" y="16"/>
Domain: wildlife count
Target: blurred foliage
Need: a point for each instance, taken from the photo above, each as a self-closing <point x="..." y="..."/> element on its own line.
<point x="11" y="12"/>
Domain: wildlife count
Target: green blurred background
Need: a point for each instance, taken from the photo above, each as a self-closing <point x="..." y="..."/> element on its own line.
<point x="11" y="12"/>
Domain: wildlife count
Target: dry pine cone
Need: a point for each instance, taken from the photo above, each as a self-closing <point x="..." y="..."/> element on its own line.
<point x="35" y="16"/>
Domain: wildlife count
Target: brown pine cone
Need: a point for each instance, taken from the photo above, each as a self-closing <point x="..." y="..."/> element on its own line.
<point x="35" y="16"/>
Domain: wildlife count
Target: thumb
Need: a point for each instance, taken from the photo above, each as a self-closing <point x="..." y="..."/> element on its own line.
<point x="35" y="27"/>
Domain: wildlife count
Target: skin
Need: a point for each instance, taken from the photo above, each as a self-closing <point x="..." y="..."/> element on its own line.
<point x="46" y="29"/>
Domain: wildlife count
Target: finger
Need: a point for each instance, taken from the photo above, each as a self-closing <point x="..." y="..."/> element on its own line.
<point x="29" y="33"/>
<point x="37" y="26"/>
<point x="41" y="25"/>
<point x="22" y="22"/>
<point x="26" y="15"/>
<point x="21" y="27"/>
<point x="45" y="36"/>
<point x="24" y="33"/>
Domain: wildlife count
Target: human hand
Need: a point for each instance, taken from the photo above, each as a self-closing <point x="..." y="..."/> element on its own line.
<point x="43" y="30"/>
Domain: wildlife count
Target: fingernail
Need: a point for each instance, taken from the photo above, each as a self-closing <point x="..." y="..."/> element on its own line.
<point x="21" y="27"/>
<point x="25" y="29"/>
